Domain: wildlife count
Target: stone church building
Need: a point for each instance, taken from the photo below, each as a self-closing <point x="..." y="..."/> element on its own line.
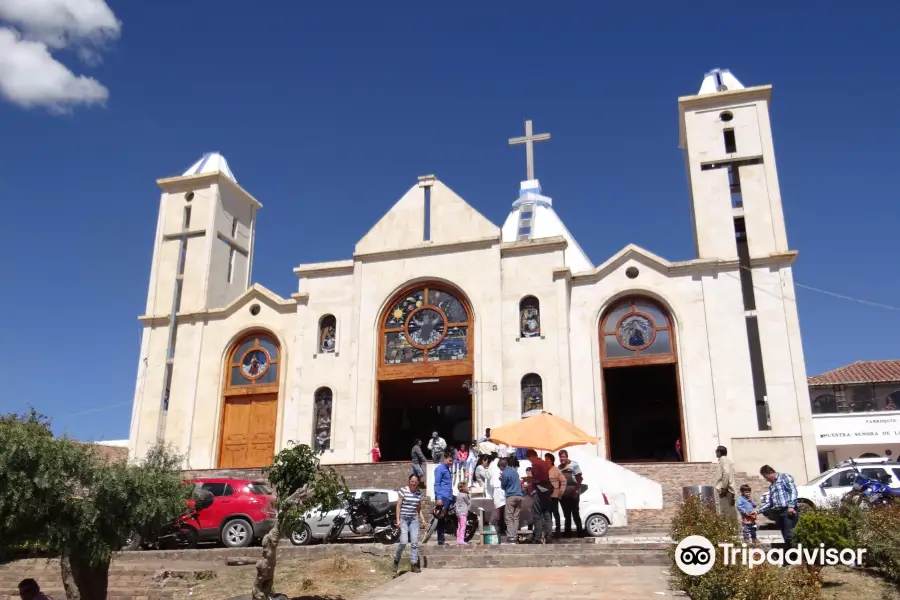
<point x="441" y="320"/>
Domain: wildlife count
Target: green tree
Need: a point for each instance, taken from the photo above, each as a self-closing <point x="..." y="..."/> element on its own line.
<point x="301" y="484"/>
<point x="63" y="495"/>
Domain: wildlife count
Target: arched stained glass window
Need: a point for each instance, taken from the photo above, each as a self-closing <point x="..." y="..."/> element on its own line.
<point x="426" y="324"/>
<point x="636" y="327"/>
<point x="327" y="334"/>
<point x="254" y="361"/>
<point x="529" y="317"/>
<point x="322" y="407"/>
<point x="532" y="393"/>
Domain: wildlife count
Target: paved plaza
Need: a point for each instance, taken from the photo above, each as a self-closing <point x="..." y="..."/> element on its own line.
<point x="575" y="583"/>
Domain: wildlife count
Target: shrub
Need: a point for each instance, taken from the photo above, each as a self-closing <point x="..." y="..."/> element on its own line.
<point x="878" y="531"/>
<point x="825" y="526"/>
<point x="723" y="582"/>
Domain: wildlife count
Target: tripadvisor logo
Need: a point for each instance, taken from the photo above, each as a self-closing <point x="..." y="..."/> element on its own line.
<point x="695" y="555"/>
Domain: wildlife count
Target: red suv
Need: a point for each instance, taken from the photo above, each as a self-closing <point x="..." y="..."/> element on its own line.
<point x="242" y="511"/>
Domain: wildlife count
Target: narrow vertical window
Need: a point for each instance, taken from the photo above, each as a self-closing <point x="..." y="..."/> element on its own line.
<point x="187" y="218"/>
<point x="730" y="143"/>
<point x="532" y="393"/>
<point x="327" y="334"/>
<point x="231" y="255"/>
<point x="234" y="224"/>
<point x="529" y="317"/>
<point x="322" y="404"/>
<point x="427" y="224"/>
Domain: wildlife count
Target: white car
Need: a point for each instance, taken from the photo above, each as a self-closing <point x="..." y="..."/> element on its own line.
<point x="829" y="487"/>
<point x="316" y="524"/>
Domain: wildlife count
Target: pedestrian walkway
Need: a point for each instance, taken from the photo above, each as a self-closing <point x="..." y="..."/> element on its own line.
<point x="576" y="583"/>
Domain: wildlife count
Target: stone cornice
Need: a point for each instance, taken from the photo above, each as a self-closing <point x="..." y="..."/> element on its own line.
<point x="182" y="183"/>
<point x="427" y="249"/>
<point x="551" y="244"/>
<point x="338" y="267"/>
<point x="255" y="292"/>
<point x="698" y="265"/>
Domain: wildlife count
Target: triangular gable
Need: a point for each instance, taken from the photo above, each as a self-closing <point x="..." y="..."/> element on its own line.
<point x="452" y="220"/>
<point x="631" y="252"/>
<point x="259" y="293"/>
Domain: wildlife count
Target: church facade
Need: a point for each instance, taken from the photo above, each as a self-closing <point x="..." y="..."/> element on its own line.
<point x="443" y="321"/>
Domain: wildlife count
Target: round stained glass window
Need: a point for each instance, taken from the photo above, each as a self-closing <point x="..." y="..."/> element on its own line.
<point x="254" y="364"/>
<point x="426" y="327"/>
<point x="635" y="331"/>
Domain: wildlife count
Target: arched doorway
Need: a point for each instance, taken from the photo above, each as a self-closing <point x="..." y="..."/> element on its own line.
<point x="641" y="392"/>
<point x="424" y="358"/>
<point x="250" y="403"/>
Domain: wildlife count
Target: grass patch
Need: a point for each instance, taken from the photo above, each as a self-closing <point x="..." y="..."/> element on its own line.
<point x="842" y="583"/>
<point x="334" y="578"/>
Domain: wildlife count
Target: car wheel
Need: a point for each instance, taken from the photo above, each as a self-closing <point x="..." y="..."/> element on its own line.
<point x="596" y="526"/>
<point x="804" y="506"/>
<point x="301" y="536"/>
<point x="237" y="533"/>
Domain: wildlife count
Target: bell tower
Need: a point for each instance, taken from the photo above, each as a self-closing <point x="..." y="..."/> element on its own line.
<point x="202" y="255"/>
<point x="727" y="140"/>
<point x="736" y="203"/>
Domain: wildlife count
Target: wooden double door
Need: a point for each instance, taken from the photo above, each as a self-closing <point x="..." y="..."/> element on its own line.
<point x="248" y="431"/>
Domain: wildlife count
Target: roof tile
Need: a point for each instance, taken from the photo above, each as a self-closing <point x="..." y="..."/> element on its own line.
<point x="862" y="371"/>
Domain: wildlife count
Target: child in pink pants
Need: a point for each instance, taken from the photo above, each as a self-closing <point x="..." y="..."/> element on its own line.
<point x="463" y="501"/>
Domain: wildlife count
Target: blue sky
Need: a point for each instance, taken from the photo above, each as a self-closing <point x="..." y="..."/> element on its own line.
<point x="327" y="113"/>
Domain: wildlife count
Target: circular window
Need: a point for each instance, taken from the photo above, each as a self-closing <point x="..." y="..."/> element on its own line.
<point x="726" y="116"/>
<point x="254" y="309"/>
<point x="635" y="331"/>
<point x="426" y="327"/>
<point x="254" y="363"/>
<point x="189" y="196"/>
<point x="632" y="272"/>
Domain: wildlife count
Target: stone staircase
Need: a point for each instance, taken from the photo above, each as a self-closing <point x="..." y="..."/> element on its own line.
<point x="570" y="554"/>
<point x="671" y="475"/>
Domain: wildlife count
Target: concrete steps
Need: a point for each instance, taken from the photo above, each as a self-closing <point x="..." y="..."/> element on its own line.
<point x="551" y="555"/>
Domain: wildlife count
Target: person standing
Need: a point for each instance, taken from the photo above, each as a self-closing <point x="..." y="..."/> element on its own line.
<point x="443" y="494"/>
<point x="486" y="437"/>
<point x="480" y="476"/>
<point x="543" y="489"/>
<point x="782" y="501"/>
<point x="437" y="446"/>
<point x="725" y="484"/>
<point x="558" y="481"/>
<point x="512" y="490"/>
<point x="572" y="495"/>
<point x="494" y="491"/>
<point x="409" y="518"/>
<point x="418" y="461"/>
<point x="463" y="502"/>
<point x="376" y="453"/>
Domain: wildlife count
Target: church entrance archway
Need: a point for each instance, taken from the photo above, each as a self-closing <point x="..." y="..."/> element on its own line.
<point x="250" y="403"/>
<point x="425" y="357"/>
<point x="641" y="391"/>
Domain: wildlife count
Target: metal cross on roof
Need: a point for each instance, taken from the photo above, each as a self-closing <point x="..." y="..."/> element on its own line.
<point x="528" y="139"/>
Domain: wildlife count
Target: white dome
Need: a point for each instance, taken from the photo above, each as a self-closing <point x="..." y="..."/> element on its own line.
<point x="210" y="163"/>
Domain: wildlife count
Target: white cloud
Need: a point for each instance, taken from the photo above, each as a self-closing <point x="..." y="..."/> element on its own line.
<point x="62" y="23"/>
<point x="30" y="75"/>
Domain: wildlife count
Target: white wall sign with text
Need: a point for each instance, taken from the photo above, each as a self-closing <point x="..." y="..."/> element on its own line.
<point x="858" y="428"/>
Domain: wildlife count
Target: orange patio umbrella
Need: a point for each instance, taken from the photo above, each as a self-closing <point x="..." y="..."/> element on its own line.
<point x="541" y="432"/>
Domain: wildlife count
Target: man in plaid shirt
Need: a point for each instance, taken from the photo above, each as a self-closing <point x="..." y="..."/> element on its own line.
<point x="782" y="501"/>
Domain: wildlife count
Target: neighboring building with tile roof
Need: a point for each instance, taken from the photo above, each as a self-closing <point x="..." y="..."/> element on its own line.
<point x="856" y="410"/>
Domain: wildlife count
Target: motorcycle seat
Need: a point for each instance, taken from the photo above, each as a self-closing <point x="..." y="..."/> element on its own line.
<point x="382" y="508"/>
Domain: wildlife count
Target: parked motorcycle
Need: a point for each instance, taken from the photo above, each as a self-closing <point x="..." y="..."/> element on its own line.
<point x="451" y="522"/>
<point x="365" y="518"/>
<point x="871" y="493"/>
<point x="183" y="532"/>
